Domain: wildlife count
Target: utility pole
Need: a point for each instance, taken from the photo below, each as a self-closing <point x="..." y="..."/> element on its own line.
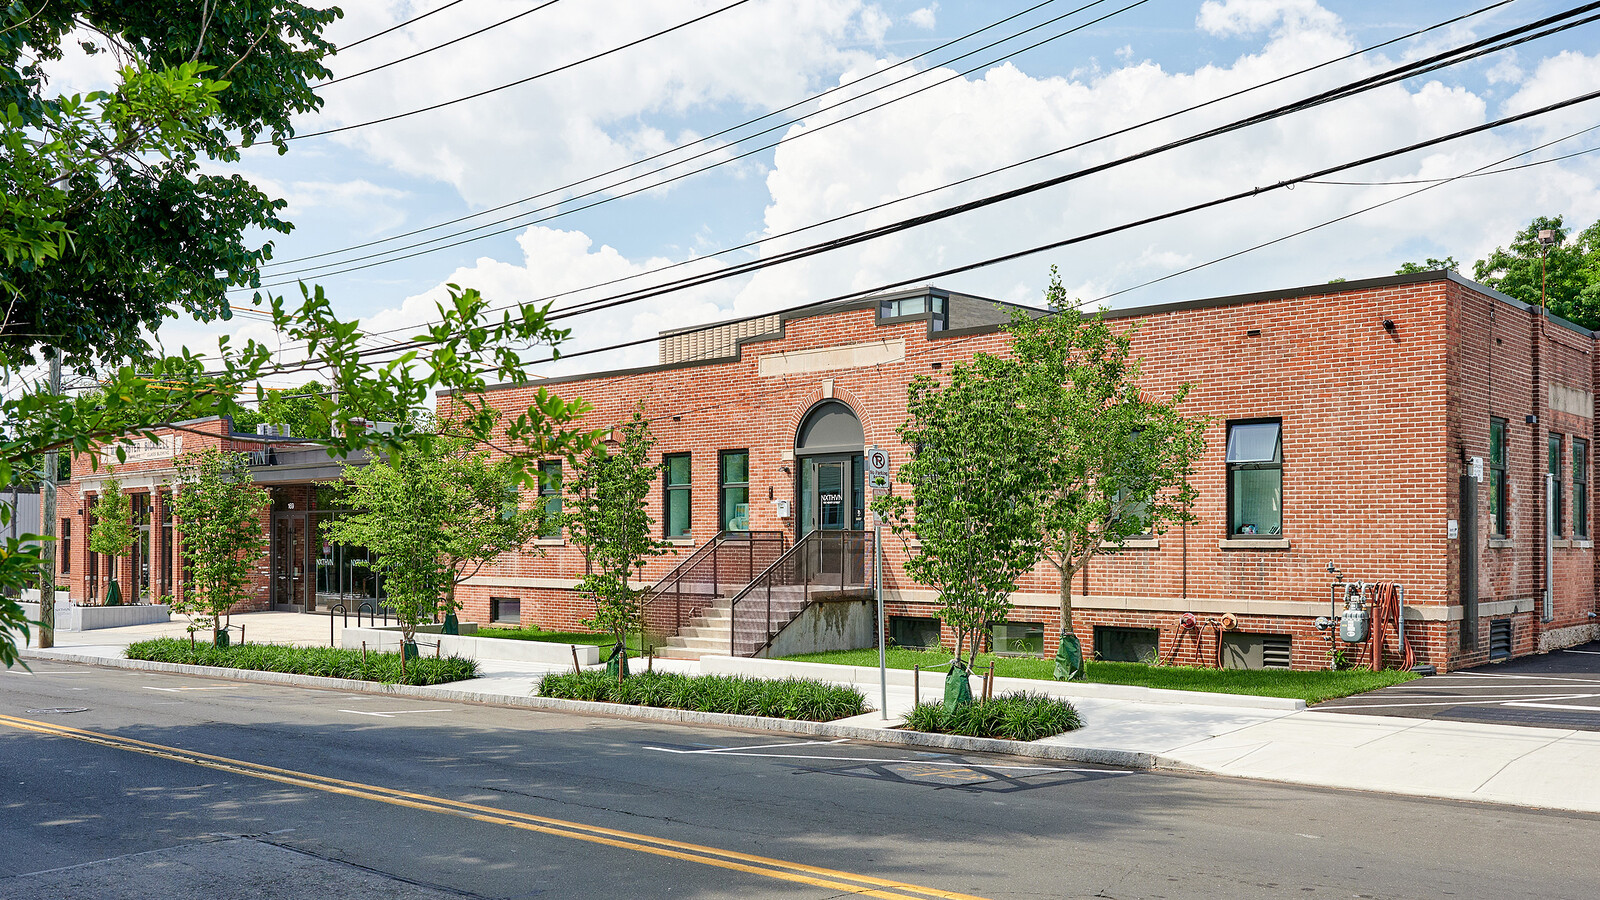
<point x="47" y="501"/>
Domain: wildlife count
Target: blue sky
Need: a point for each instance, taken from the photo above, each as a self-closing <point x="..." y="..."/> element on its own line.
<point x="374" y="182"/>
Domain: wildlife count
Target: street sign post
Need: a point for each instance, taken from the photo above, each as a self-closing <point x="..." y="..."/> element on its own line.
<point x="877" y="470"/>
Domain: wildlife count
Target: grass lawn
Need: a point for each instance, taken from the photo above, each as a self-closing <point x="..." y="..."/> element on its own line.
<point x="1312" y="687"/>
<point x="533" y="633"/>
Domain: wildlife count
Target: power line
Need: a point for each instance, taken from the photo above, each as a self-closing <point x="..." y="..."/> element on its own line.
<point x="1088" y="236"/>
<point x="1399" y="73"/>
<point x="408" y="58"/>
<point x="1030" y="160"/>
<point x="511" y="84"/>
<point x="1449" y="57"/>
<point x="1474" y="174"/>
<point x="860" y="212"/>
<point x="684" y="146"/>
<point x="657" y="184"/>
<point x="399" y="25"/>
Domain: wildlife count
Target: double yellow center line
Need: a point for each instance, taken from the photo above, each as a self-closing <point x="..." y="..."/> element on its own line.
<point x="834" y="879"/>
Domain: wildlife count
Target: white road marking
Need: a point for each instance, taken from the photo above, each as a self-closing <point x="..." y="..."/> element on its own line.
<point x="1533" y="705"/>
<point x="1463" y="702"/>
<point x="767" y="746"/>
<point x="174" y="690"/>
<point x="391" y="713"/>
<point x="916" y="762"/>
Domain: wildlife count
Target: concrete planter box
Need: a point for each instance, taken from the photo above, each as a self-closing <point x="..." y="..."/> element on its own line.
<point x="541" y="652"/>
<point x="90" y="618"/>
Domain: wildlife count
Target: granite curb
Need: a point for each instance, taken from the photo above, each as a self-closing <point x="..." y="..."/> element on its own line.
<point x="1131" y="759"/>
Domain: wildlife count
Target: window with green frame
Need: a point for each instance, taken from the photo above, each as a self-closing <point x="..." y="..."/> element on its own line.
<point x="675" y="471"/>
<point x="1498" y="489"/>
<point x="735" y="490"/>
<point x="1580" y="487"/>
<point x="1555" y="441"/>
<point x="550" y="495"/>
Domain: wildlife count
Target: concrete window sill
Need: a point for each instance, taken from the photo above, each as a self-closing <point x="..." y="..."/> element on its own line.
<point x="1133" y="544"/>
<point x="1501" y="543"/>
<point x="550" y="542"/>
<point x="1583" y="543"/>
<point x="1253" y="544"/>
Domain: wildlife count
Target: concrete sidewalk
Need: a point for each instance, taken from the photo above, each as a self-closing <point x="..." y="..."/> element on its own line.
<point x="1248" y="737"/>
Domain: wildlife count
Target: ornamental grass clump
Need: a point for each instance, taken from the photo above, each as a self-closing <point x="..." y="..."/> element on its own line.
<point x="327" y="662"/>
<point x="787" y="698"/>
<point x="1012" y="717"/>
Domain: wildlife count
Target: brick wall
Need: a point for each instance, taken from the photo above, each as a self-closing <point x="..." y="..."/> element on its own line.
<point x="1376" y="423"/>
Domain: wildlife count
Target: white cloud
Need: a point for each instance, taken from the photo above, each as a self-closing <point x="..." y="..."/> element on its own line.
<point x="926" y="17"/>
<point x="567" y="126"/>
<point x="1239" y="18"/>
<point x="976" y="124"/>
<point x="556" y="262"/>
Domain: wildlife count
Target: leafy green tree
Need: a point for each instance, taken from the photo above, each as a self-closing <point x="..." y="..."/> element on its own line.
<point x="401" y="514"/>
<point x="310" y="410"/>
<point x="1432" y="265"/>
<point x="112" y="533"/>
<point x="484" y="514"/>
<point x="1106" y="461"/>
<point x="218" y="508"/>
<point x="110" y="225"/>
<point x="607" y="518"/>
<point x="113" y="221"/>
<point x="1568" y="272"/>
<point x="970" y="505"/>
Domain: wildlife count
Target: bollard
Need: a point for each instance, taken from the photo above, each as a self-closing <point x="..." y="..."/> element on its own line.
<point x="916" y="684"/>
<point x="988" y="684"/>
<point x="575" y="667"/>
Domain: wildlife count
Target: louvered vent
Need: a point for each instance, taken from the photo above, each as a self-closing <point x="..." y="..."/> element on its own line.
<point x="1255" y="651"/>
<point x="1500" y="639"/>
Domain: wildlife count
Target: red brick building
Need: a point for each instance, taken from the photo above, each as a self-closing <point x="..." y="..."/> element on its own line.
<point x="301" y="571"/>
<point x="1347" y="419"/>
<point x="1421" y="429"/>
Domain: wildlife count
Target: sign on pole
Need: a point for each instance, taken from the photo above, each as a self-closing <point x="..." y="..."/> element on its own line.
<point x="877" y="466"/>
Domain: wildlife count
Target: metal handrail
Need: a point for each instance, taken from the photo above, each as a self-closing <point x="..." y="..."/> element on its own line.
<point x="797" y="567"/>
<point x="717" y="559"/>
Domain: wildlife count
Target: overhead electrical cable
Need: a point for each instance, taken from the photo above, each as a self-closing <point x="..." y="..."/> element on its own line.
<point x="408" y="58"/>
<point x="1057" y="244"/>
<point x="321" y="269"/>
<point x="1391" y="76"/>
<point x="534" y="77"/>
<point x="1039" y="157"/>
<point x="1115" y="229"/>
<point x="399" y="25"/>
<point x="684" y="146"/>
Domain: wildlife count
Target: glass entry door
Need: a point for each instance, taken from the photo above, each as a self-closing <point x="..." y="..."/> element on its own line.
<point x="288" y="561"/>
<point x="831" y="495"/>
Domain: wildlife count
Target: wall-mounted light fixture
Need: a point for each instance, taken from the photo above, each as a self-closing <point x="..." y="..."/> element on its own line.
<point x="1388" y="325"/>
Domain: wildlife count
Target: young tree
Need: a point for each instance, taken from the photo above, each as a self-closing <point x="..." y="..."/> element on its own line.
<point x="1106" y="461"/>
<point x="486" y="517"/>
<point x="607" y="518"/>
<point x="112" y="533"/>
<point x="401" y="514"/>
<point x="970" y="505"/>
<point x="218" y="508"/>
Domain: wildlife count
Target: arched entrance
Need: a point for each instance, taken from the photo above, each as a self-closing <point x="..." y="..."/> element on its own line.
<point x="828" y="451"/>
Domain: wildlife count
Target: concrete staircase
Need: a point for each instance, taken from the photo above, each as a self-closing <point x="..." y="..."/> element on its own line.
<point x="708" y="634"/>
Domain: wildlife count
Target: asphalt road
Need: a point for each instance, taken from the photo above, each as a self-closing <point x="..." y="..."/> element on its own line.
<point x="180" y="787"/>
<point x="1552" y="690"/>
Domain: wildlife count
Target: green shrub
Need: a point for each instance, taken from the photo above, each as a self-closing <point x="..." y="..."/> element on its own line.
<point x="1014" y="717"/>
<point x="787" y="698"/>
<point x="328" y="662"/>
